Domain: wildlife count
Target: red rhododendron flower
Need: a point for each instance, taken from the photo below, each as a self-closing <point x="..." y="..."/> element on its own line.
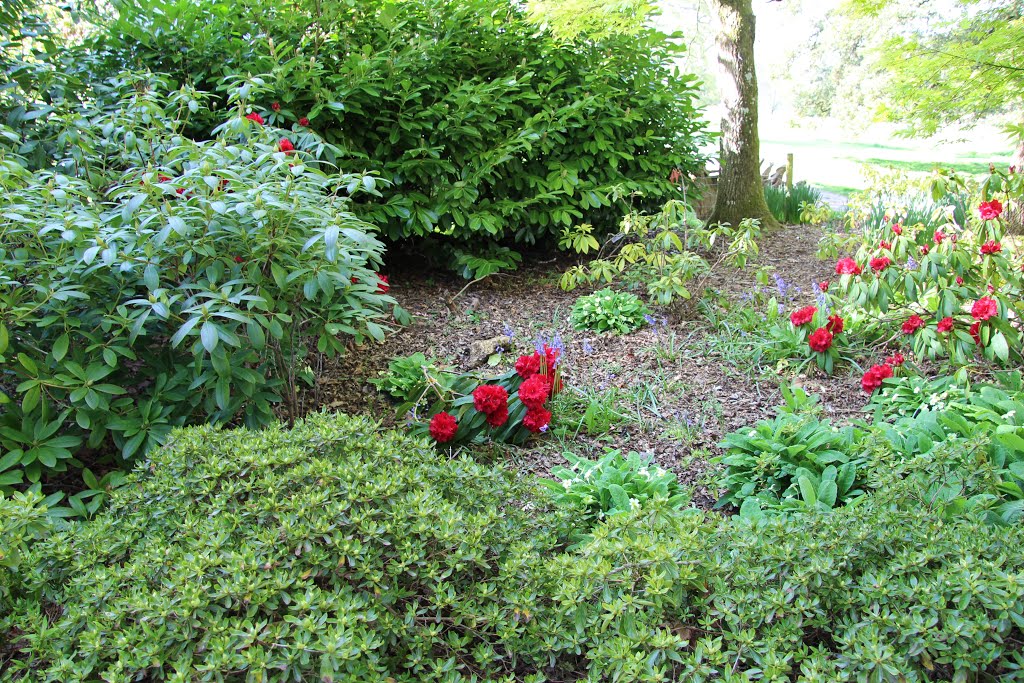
<point x="498" y="417"/>
<point x="443" y="427"/>
<point x="885" y="245"/>
<point x="847" y="266"/>
<point x="924" y="250"/>
<point x="488" y="398"/>
<point x="913" y="324"/>
<point x="823" y="285"/>
<point x="534" y="392"/>
<point x="897" y="228"/>
<point x="984" y="308"/>
<point x="945" y="325"/>
<point x="382" y="284"/>
<point x="163" y="178"/>
<point x="528" y="366"/>
<point x="820" y="340"/>
<point x="286" y="145"/>
<point x="239" y="259"/>
<point x="976" y="332"/>
<point x="537" y="420"/>
<point x="881" y="263"/>
<point x="675" y="176"/>
<point x="835" y="324"/>
<point x="939" y="236"/>
<point x="276" y="106"/>
<point x="895" y="359"/>
<point x="991" y="289"/>
<point x="180" y="190"/>
<point x="873" y="378"/>
<point x="959" y="280"/>
<point x="304" y="121"/>
<point x="255" y="117"/>
<point x="990" y="210"/>
<point x="803" y="316"/>
<point x="991" y="247"/>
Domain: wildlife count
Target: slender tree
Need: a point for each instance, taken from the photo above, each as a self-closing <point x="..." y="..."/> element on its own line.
<point x="740" y="188"/>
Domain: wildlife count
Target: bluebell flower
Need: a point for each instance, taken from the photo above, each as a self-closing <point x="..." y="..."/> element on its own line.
<point x="587" y="348"/>
<point x="782" y="309"/>
<point x="911" y="263"/>
<point x="650" y="319"/>
<point x="508" y="331"/>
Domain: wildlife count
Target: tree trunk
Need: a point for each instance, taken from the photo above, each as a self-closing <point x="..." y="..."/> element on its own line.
<point x="740" y="189"/>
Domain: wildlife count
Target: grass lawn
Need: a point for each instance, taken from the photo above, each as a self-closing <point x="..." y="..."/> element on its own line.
<point x="833" y="160"/>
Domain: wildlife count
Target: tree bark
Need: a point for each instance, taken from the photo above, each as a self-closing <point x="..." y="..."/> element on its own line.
<point x="740" y="189"/>
<point x="1015" y="215"/>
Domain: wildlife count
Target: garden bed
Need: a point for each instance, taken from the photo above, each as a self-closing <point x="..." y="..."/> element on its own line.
<point x="677" y="386"/>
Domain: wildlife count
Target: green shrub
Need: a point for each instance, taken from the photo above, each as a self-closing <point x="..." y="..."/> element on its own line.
<point x="487" y="126"/>
<point x="609" y="311"/>
<point x="792" y="461"/>
<point x="331" y="551"/>
<point x="336" y="551"/>
<point x="162" y="281"/>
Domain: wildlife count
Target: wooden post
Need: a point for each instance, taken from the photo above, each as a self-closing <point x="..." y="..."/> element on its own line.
<point x="789" y="173"/>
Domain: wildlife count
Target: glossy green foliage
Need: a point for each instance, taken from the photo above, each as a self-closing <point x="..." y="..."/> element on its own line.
<point x="488" y="127"/>
<point x="149" y="281"/>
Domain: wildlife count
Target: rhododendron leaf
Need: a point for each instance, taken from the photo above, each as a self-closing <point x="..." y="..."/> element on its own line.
<point x="807" y="491"/>
<point x="999" y="347"/>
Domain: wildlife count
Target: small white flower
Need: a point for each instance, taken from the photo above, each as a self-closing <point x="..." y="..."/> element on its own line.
<point x="567" y="484"/>
<point x="1009" y="415"/>
<point x="634" y="504"/>
<point x="660" y="472"/>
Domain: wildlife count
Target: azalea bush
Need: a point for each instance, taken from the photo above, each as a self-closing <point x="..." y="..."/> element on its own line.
<point x="149" y="281"/>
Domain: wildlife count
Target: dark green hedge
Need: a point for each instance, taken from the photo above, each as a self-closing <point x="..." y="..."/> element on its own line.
<point x="488" y="127"/>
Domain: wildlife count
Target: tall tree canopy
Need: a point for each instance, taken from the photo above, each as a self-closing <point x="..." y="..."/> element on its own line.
<point x="953" y="69"/>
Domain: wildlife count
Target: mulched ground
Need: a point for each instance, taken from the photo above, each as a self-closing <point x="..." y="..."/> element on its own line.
<point x="677" y="393"/>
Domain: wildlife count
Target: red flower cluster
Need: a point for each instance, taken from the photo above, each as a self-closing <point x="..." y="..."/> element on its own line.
<point x="443" y="427"/>
<point x="539" y="372"/>
<point x="537" y="420"/>
<point x="382" y="284"/>
<point x="533" y="393"/>
<point x="880" y="263"/>
<point x="847" y="266"/>
<point x="276" y="106"/>
<point x="975" y="331"/>
<point x="885" y="245"/>
<point x="239" y="259"/>
<point x="895" y="359"/>
<point x="990" y="210"/>
<point x="803" y="316"/>
<point x="944" y="325"/>
<point x="991" y="247"/>
<point x="939" y="236"/>
<point x="873" y="378"/>
<point x="984" y="308"/>
<point x="897" y="228"/>
<point x="255" y="117"/>
<point x="286" y="145"/>
<point x="913" y="324"/>
<point x="924" y="250"/>
<point x="835" y="324"/>
<point x="304" y="121"/>
<point x="820" y="340"/>
<point x="492" y="400"/>
<point x="823" y="285"/>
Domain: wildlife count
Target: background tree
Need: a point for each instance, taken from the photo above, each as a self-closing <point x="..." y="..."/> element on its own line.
<point x="740" y="188"/>
<point x="952" y="70"/>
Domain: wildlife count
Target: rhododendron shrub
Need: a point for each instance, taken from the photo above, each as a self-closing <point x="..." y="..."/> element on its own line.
<point x="813" y="333"/>
<point x="456" y="409"/>
<point x="951" y="292"/>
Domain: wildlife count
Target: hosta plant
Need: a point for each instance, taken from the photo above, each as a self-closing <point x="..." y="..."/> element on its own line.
<point x="608" y="311"/>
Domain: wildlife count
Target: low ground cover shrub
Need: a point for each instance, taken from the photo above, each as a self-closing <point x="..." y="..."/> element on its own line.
<point x="339" y="551"/>
<point x="167" y="281"/>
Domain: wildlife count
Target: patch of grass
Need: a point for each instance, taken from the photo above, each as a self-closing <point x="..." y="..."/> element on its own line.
<point x="975" y="168"/>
